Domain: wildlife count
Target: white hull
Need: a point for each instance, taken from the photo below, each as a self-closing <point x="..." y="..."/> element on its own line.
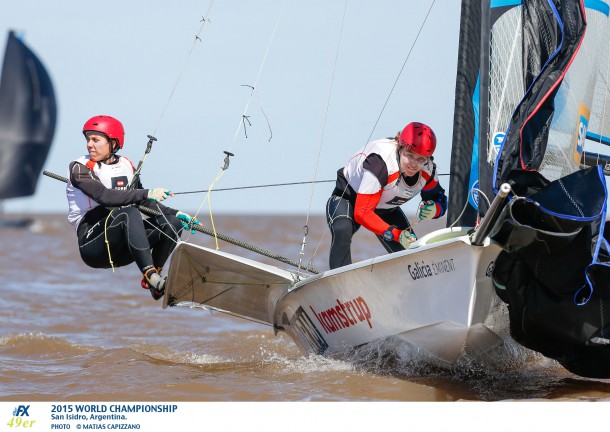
<point x="434" y="296"/>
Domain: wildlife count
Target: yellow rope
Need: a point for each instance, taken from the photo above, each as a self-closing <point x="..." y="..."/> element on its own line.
<point x="208" y="199"/>
<point x="106" y="239"/>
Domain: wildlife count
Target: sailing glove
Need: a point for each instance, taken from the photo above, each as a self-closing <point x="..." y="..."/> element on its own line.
<point x="158" y="194"/>
<point x="406" y="237"/>
<point x="427" y="210"/>
<point x="188" y="222"/>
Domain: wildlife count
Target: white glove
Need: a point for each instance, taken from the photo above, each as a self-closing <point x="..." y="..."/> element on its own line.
<point x="158" y="194"/>
<point x="406" y="237"/>
<point x="427" y="210"/>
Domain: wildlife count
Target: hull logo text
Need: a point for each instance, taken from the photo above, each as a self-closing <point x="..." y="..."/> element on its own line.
<point x="344" y="314"/>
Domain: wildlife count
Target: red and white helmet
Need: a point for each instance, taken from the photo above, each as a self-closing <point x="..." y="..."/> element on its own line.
<point x="418" y="138"/>
<point x="109" y="126"/>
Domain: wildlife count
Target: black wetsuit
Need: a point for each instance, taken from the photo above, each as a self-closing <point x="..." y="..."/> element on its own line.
<point x="148" y="241"/>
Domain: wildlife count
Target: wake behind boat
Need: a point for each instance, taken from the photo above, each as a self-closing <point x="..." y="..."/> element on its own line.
<point x="529" y="112"/>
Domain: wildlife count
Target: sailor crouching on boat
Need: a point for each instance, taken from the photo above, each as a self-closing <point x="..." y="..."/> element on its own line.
<point x="375" y="182"/>
<point x="111" y="231"/>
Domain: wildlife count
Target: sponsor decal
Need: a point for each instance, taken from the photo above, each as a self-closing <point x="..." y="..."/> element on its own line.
<point x="398" y="200"/>
<point x="474" y="194"/>
<point x="490" y="269"/>
<point x="344" y="315"/>
<point x="307" y="332"/>
<point x="497" y="140"/>
<point x="421" y="270"/>
<point x="119" y="182"/>
<point x="583" y="125"/>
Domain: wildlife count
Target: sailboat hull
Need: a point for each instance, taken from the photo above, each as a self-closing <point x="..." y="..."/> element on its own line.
<point x="428" y="297"/>
<point x="434" y="296"/>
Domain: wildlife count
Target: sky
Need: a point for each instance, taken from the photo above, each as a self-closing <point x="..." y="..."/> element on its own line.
<point x="327" y="78"/>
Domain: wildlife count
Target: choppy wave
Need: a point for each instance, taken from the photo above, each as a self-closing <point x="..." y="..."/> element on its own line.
<point x="39" y="345"/>
<point x="69" y="332"/>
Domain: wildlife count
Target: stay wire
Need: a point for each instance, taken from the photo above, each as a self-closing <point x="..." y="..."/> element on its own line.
<point x="386" y="101"/>
<point x="252" y="187"/>
<point x="197" y="39"/>
<point x="400" y="72"/>
<point x="323" y="122"/>
<point x="241" y="122"/>
<point x="254" y="87"/>
<point x="152" y="138"/>
<point x="603" y="117"/>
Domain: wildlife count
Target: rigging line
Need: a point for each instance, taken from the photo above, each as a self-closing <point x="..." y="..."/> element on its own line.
<point x="490" y="146"/>
<point x="195" y="41"/>
<point x="401" y="70"/>
<point x="390" y="94"/>
<point x="603" y="119"/>
<point x="260" y="70"/>
<point x="260" y="105"/>
<point x="472" y="189"/>
<point x="323" y="127"/>
<point x="253" y="187"/>
<point x="241" y="121"/>
<point x="399" y="74"/>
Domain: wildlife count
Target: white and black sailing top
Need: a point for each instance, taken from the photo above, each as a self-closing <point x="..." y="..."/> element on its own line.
<point x="94" y="186"/>
<point x="372" y="180"/>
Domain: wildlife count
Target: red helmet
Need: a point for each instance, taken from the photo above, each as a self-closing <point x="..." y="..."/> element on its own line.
<point x="109" y="126"/>
<point x="418" y="138"/>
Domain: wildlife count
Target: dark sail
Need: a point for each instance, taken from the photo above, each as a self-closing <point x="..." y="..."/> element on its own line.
<point x="524" y="101"/>
<point x="466" y="115"/>
<point x="28" y="114"/>
<point x="481" y="76"/>
<point x="554" y="271"/>
<point x="552" y="33"/>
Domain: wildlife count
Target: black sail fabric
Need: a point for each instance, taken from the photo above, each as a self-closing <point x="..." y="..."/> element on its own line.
<point x="549" y="47"/>
<point x="554" y="271"/>
<point x="28" y="114"/>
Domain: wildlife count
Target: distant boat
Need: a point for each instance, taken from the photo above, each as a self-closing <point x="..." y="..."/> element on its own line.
<point x="28" y="114"/>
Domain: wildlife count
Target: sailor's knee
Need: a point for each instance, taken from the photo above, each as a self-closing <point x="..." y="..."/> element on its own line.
<point x="342" y="227"/>
<point x="172" y="225"/>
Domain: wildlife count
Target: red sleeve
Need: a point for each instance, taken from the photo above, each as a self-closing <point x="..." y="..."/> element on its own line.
<point x="364" y="213"/>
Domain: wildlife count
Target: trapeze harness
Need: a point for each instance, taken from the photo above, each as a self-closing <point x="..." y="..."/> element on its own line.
<point x="110" y="231"/>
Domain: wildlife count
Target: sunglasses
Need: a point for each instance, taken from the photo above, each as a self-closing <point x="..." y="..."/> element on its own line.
<point x="419" y="160"/>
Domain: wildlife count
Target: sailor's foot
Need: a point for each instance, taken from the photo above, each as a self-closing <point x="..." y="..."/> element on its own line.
<point x="155" y="283"/>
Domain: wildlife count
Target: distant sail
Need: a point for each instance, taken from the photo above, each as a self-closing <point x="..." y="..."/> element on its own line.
<point x="28" y="113"/>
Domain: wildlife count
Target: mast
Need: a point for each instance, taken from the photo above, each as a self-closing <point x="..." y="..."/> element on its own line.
<point x="465" y="117"/>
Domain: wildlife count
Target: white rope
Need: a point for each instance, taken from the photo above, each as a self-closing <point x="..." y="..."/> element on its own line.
<point x="196" y="40"/>
<point x="322" y="131"/>
<point x="384" y="106"/>
<point x="241" y="122"/>
<point x="260" y="71"/>
<point x="601" y="126"/>
<point x="472" y="189"/>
